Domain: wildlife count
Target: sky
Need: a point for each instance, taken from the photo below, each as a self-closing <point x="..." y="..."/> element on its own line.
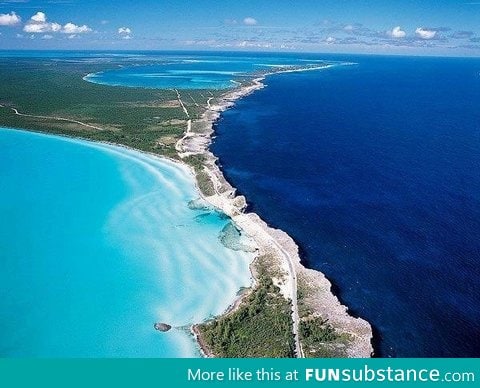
<point x="422" y="27"/>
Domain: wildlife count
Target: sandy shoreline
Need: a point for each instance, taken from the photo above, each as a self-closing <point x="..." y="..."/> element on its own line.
<point x="270" y="241"/>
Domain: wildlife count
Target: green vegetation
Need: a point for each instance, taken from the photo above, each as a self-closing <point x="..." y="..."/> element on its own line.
<point x="203" y="179"/>
<point x="196" y="161"/>
<point x="150" y="120"/>
<point x="204" y="182"/>
<point x="316" y="329"/>
<point x="318" y="337"/>
<point x="260" y="327"/>
<point x="304" y="309"/>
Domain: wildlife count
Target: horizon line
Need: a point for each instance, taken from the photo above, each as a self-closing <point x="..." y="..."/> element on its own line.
<point x="241" y="52"/>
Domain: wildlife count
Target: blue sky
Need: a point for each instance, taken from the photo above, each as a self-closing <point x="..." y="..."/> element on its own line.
<point x="426" y="27"/>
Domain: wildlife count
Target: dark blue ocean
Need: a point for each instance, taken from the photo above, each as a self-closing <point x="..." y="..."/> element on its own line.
<point x="374" y="170"/>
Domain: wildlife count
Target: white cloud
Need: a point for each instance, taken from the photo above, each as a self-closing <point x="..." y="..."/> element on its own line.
<point x="71" y="28"/>
<point x="246" y="43"/>
<point x="39" y="17"/>
<point x="38" y="24"/>
<point x="330" y="40"/>
<point x="423" y="33"/>
<point x="210" y="42"/>
<point x="124" y="30"/>
<point x="47" y="37"/>
<point x="9" y="19"/>
<point x="40" y="28"/>
<point x="103" y="22"/>
<point x="250" y="21"/>
<point x="397" y="32"/>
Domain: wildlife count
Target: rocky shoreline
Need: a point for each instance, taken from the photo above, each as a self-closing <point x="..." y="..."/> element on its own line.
<point x="315" y="287"/>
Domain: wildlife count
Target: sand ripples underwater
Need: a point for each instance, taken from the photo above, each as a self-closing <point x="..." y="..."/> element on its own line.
<point x="149" y="258"/>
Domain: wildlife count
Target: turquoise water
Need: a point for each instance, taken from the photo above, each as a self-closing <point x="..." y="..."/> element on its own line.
<point x="97" y="244"/>
<point x="166" y="76"/>
<point x="193" y="71"/>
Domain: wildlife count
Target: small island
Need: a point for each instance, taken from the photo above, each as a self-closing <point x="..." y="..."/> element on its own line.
<point x="163" y="327"/>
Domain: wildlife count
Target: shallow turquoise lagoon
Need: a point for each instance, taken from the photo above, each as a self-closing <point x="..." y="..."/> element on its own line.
<point x="97" y="243"/>
<point x="192" y="72"/>
<point x="178" y="73"/>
